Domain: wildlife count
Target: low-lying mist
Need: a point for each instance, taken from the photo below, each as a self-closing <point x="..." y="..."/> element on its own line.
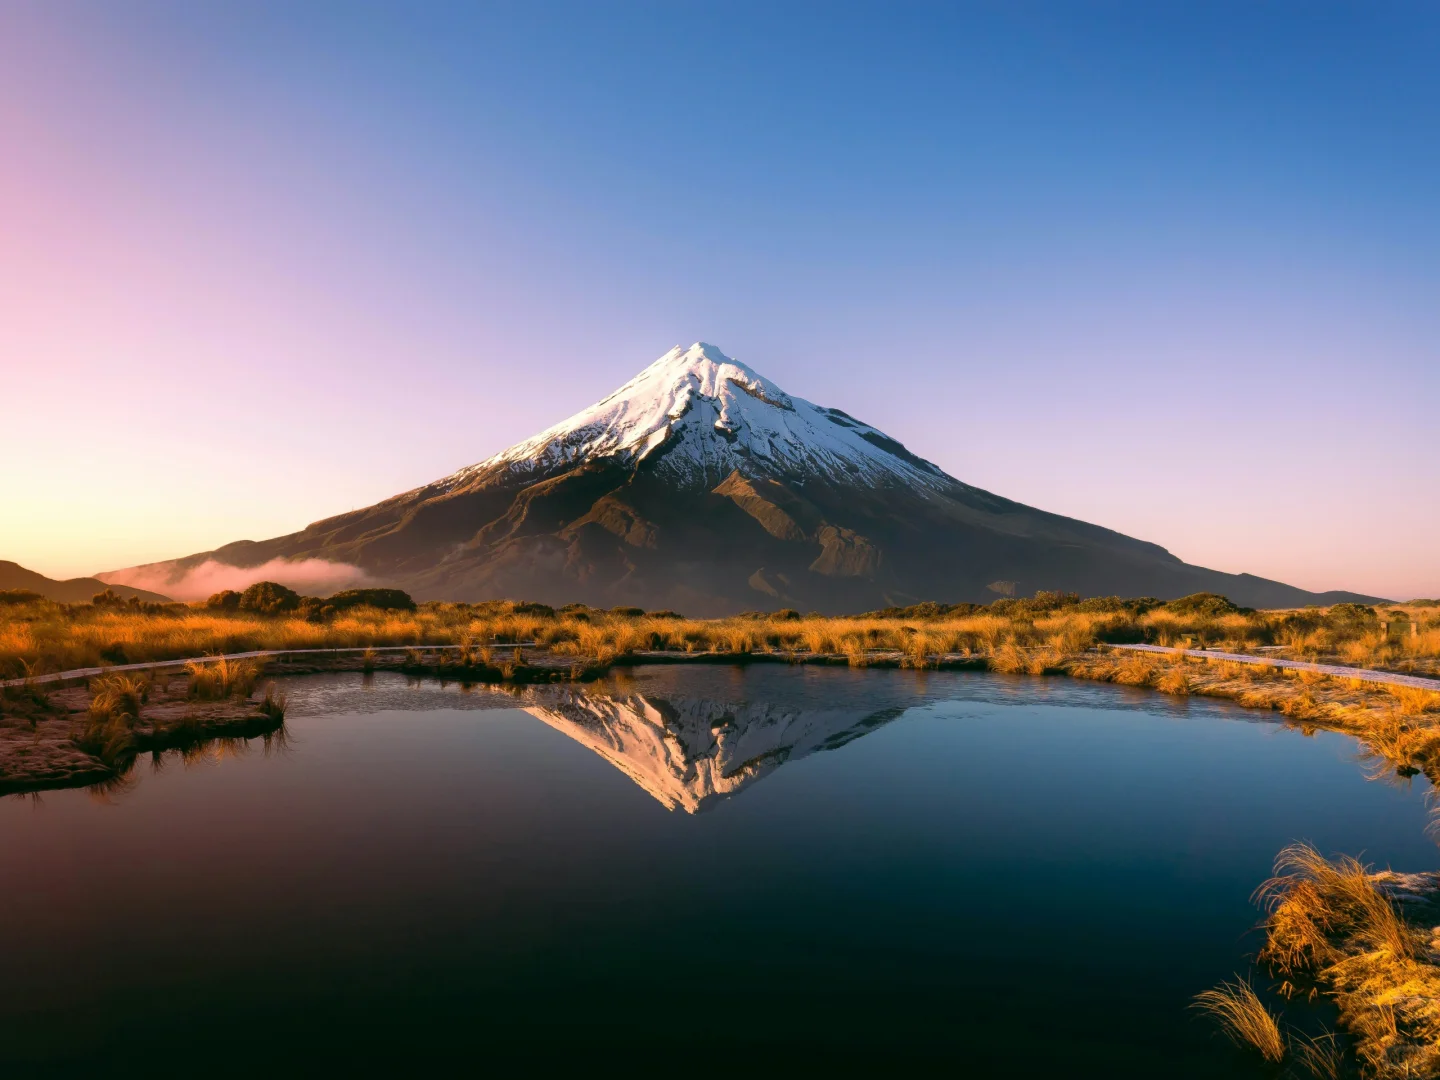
<point x="318" y="577"/>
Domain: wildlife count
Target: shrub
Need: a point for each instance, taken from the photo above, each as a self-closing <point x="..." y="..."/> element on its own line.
<point x="388" y="600"/>
<point x="1044" y="601"/>
<point x="313" y="609"/>
<point x="1352" y="616"/>
<point x="1206" y="604"/>
<point x="225" y="600"/>
<point x="627" y="612"/>
<point x="19" y="596"/>
<point x="1114" y="605"/>
<point x="269" y="598"/>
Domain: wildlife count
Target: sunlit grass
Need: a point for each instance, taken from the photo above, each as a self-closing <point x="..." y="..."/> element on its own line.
<point x="214" y="680"/>
<point x="1330" y="928"/>
<point x="1244" y="1018"/>
<point x="109" y="728"/>
<point x="1047" y="634"/>
<point x="54" y="637"/>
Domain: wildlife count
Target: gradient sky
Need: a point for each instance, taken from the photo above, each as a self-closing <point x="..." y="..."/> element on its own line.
<point x="1174" y="270"/>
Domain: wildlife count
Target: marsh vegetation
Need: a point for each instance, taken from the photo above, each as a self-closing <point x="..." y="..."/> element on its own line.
<point x="1049" y="633"/>
<point x="1035" y="633"/>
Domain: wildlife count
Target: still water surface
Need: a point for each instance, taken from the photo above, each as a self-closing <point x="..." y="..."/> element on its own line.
<point x="679" y="868"/>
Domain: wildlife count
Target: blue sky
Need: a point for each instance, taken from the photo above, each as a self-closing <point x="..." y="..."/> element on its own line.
<point x="1168" y="268"/>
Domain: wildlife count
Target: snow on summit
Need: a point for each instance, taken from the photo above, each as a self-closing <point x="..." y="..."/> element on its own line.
<point x="700" y="416"/>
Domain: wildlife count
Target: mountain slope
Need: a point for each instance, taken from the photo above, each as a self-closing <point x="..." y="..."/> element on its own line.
<point x="702" y="486"/>
<point x="70" y="591"/>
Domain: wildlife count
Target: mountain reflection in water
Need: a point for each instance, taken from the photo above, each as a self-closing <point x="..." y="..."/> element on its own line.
<point x="691" y="736"/>
<point x="691" y="752"/>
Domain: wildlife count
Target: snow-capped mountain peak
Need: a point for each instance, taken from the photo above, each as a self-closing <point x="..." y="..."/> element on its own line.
<point x="699" y="415"/>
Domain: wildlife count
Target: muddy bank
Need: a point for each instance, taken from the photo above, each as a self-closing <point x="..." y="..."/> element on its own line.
<point x="43" y="743"/>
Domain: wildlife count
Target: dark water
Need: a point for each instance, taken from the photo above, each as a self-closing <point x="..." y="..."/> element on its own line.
<point x="992" y="876"/>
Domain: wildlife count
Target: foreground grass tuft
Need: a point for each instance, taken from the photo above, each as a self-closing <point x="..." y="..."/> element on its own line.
<point x="109" y="729"/>
<point x="1331" y="929"/>
<point x="1244" y="1018"/>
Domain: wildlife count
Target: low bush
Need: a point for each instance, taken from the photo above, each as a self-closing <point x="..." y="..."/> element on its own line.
<point x="269" y="598"/>
<point x="1206" y="605"/>
<point x="386" y="600"/>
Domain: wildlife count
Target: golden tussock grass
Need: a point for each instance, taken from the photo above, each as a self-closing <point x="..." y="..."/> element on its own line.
<point x="52" y="637"/>
<point x="1330" y="928"/>
<point x="1397" y="725"/>
<point x="215" y="680"/>
<point x="108" y="731"/>
<point x="1244" y="1018"/>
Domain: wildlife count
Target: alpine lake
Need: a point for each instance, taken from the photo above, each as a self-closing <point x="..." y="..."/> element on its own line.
<point x="679" y="869"/>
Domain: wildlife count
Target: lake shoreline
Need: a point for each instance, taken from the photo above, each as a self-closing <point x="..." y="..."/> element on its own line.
<point x="1391" y="722"/>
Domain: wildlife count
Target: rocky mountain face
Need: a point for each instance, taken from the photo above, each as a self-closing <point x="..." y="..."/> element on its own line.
<point x="703" y="487"/>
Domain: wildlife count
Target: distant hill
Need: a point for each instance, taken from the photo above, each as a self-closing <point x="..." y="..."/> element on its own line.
<point x="703" y="487"/>
<point x="74" y="591"/>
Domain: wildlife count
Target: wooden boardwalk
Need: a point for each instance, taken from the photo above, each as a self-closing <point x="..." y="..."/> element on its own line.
<point x="258" y="654"/>
<point x="1389" y="678"/>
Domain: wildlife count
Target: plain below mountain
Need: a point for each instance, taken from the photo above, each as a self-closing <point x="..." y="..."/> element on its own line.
<point x="702" y="486"/>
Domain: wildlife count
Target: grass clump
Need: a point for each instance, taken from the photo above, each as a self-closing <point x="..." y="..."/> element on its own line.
<point x="1244" y="1018"/>
<point x="109" y="727"/>
<point x="272" y="706"/>
<point x="1331" y="929"/>
<point x="215" y="680"/>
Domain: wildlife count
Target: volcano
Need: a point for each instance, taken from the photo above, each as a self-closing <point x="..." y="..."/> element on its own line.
<point x="703" y="487"/>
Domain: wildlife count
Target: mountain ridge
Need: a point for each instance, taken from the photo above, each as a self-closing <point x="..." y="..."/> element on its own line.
<point x="701" y="485"/>
<point x="68" y="590"/>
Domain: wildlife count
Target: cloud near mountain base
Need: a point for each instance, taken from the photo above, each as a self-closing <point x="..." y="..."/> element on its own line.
<point x="316" y="577"/>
